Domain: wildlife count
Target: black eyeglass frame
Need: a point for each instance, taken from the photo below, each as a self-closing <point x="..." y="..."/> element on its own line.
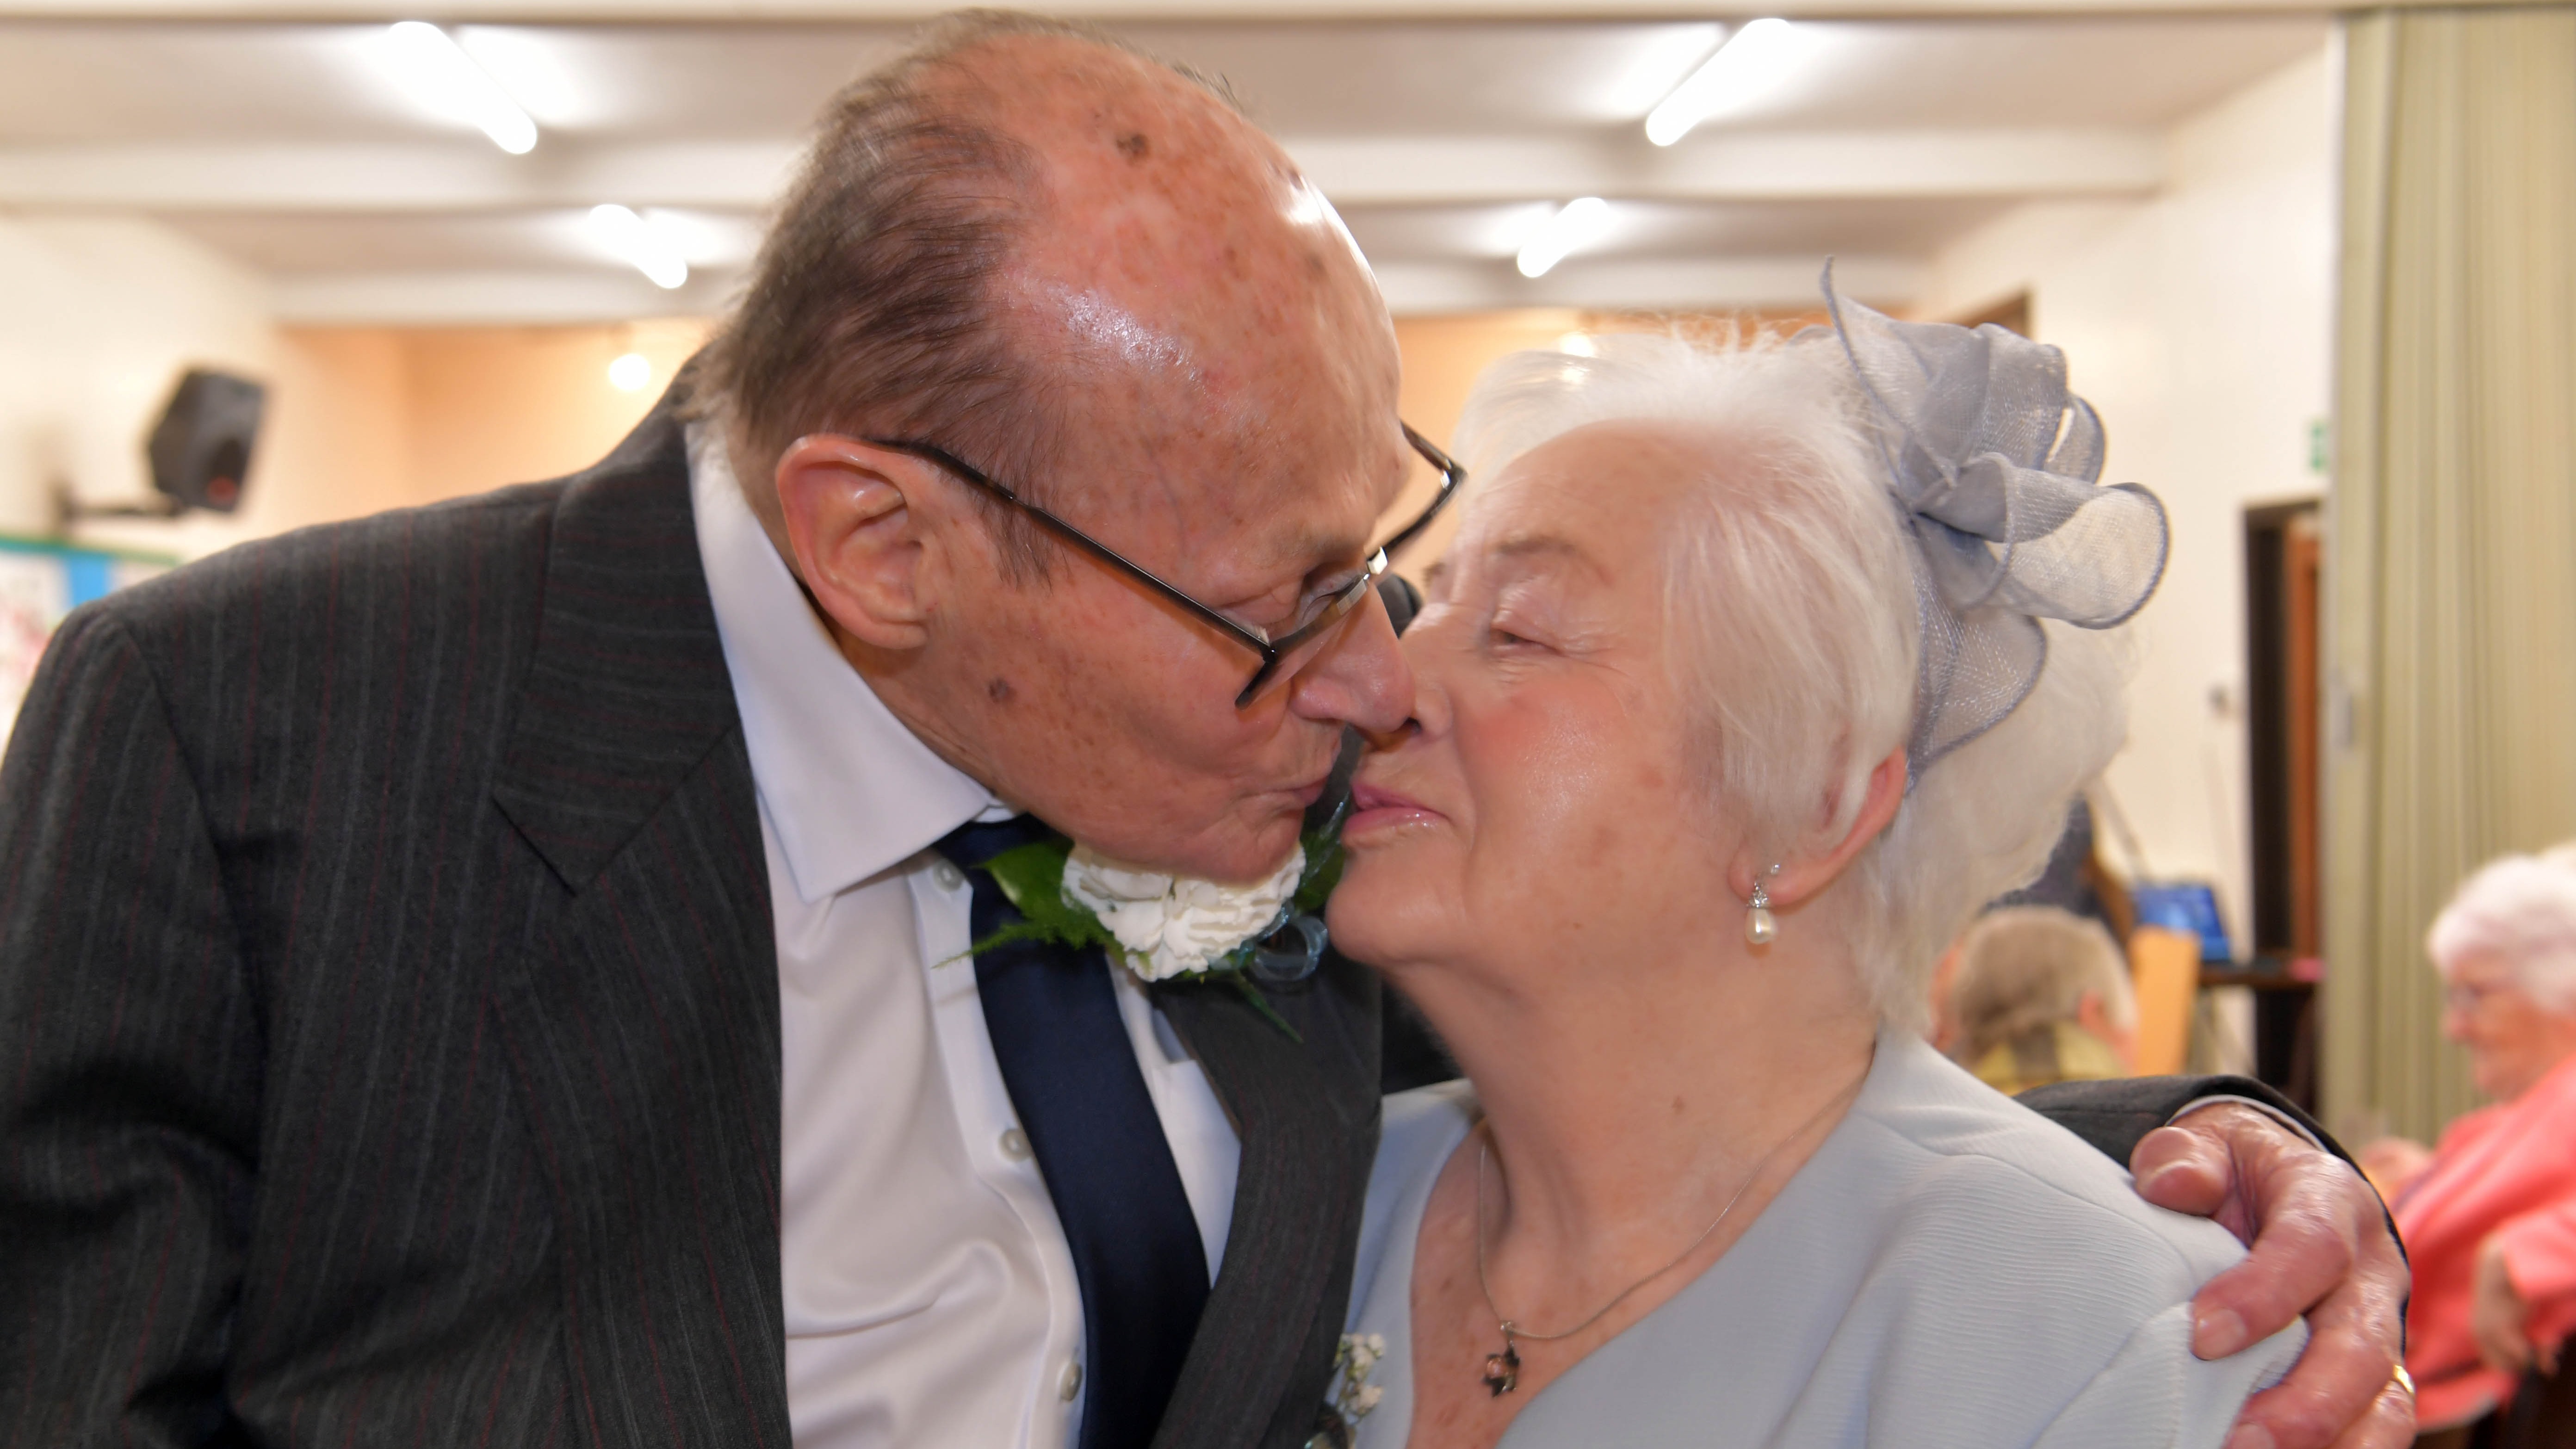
<point x="1272" y="651"/>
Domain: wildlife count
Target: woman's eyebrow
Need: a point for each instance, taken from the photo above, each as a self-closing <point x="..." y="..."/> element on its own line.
<point x="1555" y="546"/>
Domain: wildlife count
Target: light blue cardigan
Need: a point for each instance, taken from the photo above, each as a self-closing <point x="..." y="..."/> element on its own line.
<point x="1949" y="1271"/>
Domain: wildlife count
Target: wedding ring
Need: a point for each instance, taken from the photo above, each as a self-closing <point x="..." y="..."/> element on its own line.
<point x="2402" y="1379"/>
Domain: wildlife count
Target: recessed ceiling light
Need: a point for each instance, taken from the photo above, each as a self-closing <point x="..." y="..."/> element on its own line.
<point x="445" y="77"/>
<point x="635" y="241"/>
<point x="1754" y="61"/>
<point x="1578" y="223"/>
<point x="630" y="372"/>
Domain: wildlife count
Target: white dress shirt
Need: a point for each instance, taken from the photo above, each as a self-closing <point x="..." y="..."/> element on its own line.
<point x="930" y="1297"/>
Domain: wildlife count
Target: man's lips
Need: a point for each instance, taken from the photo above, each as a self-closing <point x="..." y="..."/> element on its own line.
<point x="1375" y="806"/>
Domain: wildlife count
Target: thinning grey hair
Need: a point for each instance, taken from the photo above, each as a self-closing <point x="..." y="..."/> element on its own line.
<point x="2024" y="967"/>
<point x="869" y="309"/>
<point x="1790" y="620"/>
<point x="2521" y="910"/>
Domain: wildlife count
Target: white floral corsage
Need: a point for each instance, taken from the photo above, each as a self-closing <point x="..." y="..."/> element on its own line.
<point x="1353" y="1394"/>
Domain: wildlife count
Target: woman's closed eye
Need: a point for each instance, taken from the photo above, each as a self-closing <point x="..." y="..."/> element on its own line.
<point x="1528" y="615"/>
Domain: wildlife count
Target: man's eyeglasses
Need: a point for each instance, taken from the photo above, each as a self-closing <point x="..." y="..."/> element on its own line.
<point x="1316" y="613"/>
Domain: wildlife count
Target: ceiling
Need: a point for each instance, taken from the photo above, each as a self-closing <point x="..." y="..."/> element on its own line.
<point x="291" y="148"/>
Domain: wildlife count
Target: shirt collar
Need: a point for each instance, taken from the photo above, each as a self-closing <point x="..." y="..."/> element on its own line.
<point x="849" y="789"/>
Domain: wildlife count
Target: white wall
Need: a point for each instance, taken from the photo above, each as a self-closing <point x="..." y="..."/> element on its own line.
<point x="2200" y="323"/>
<point x="97" y="318"/>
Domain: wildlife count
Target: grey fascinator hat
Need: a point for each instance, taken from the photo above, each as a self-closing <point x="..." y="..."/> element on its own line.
<point x="1994" y="466"/>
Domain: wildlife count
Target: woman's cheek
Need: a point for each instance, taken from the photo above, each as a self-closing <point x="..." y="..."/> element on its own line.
<point x="1551" y="808"/>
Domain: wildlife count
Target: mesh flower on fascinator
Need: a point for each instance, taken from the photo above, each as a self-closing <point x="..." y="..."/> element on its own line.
<point x="1994" y="463"/>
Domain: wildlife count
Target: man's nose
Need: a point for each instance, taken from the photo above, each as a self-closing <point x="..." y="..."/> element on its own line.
<point x="1361" y="678"/>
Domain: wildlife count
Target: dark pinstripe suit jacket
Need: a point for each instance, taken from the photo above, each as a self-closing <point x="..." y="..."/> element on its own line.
<point x="389" y="1044"/>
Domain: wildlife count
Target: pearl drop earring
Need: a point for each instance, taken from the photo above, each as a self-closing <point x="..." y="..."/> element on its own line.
<point x="1760" y="928"/>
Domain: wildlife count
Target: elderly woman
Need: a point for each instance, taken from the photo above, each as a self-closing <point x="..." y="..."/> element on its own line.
<point x="2489" y="1216"/>
<point x="1725" y="726"/>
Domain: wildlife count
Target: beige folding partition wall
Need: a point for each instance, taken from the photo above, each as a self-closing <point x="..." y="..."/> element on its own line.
<point x="2450" y="715"/>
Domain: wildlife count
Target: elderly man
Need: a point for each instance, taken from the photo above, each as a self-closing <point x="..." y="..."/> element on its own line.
<point x="2039" y="995"/>
<point x="490" y="975"/>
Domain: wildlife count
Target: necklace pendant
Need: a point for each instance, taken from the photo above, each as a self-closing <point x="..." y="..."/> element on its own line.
<point x="1503" y="1370"/>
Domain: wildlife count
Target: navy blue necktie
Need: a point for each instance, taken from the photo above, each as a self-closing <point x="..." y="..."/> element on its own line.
<point x="1081" y="1098"/>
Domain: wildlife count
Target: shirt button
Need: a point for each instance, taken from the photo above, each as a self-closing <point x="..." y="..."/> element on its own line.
<point x="1015" y="1146"/>
<point x="947" y="875"/>
<point x="1071" y="1383"/>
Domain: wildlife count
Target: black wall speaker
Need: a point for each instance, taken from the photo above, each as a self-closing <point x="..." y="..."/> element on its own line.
<point x="200" y="450"/>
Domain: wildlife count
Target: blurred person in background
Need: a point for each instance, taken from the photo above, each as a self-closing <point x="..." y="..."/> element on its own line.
<point x="2489" y="1215"/>
<point x="2041" y="995"/>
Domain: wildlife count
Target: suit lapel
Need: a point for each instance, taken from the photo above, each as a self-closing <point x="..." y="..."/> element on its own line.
<point x="1307" y="1114"/>
<point x="642" y="1021"/>
<point x="628" y="690"/>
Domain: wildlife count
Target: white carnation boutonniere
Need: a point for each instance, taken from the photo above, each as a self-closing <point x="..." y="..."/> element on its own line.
<point x="1173" y="928"/>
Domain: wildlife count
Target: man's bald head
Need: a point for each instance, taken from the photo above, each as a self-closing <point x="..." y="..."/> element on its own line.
<point x="1190" y="290"/>
<point x="1022" y="236"/>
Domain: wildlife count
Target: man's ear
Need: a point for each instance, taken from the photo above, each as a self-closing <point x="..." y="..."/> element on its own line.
<point x="860" y="545"/>
<point x="2095" y="1017"/>
<point x="1807" y="876"/>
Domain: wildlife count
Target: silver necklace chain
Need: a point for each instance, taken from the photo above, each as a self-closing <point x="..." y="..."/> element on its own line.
<point x="1502" y="1370"/>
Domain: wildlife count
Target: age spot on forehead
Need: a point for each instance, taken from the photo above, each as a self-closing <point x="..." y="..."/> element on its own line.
<point x="998" y="690"/>
<point x="1134" y="145"/>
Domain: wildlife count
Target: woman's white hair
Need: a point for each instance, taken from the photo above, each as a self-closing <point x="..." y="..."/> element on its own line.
<point x="2521" y="910"/>
<point x="1791" y="623"/>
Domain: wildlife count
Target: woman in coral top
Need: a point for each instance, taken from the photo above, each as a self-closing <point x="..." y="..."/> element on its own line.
<point x="2489" y="1216"/>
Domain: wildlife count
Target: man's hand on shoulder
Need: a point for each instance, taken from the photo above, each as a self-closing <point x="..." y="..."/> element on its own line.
<point x="2319" y="1245"/>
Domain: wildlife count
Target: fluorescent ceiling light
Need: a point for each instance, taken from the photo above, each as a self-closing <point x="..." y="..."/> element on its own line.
<point x="716" y="240"/>
<point x="636" y="241"/>
<point x="447" y="78"/>
<point x="1576" y="224"/>
<point x="1753" y="62"/>
<point x="541" y="69"/>
<point x="1670" y="52"/>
